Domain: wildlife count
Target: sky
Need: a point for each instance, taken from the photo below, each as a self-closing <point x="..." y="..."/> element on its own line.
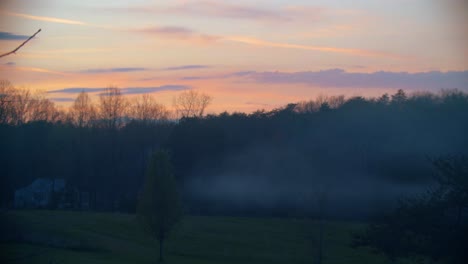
<point x="247" y="55"/>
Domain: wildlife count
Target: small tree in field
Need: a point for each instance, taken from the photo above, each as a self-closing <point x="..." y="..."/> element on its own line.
<point x="159" y="207"/>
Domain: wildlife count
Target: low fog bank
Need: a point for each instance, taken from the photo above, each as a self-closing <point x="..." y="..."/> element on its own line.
<point x="274" y="185"/>
<point x="351" y="199"/>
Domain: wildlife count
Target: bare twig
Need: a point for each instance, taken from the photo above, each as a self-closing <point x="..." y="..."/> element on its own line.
<point x="15" y="50"/>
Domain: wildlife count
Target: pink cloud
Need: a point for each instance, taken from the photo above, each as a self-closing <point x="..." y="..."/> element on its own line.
<point x="227" y="10"/>
<point x="356" y="52"/>
<point x="221" y="9"/>
<point x="176" y="32"/>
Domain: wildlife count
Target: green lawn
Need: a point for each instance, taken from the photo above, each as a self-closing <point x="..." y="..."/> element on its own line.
<point x="77" y="237"/>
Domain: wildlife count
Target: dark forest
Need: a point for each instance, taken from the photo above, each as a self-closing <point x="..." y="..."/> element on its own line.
<point x="363" y="152"/>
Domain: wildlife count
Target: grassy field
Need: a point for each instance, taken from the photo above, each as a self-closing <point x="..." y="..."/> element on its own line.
<point x="76" y="237"/>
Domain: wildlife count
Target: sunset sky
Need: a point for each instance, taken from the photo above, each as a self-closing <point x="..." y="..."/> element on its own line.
<point x="246" y="54"/>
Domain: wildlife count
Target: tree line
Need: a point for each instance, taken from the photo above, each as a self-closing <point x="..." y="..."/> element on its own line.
<point x="20" y="106"/>
<point x="236" y="163"/>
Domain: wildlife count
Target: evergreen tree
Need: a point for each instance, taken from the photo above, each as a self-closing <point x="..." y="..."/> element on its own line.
<point x="399" y="97"/>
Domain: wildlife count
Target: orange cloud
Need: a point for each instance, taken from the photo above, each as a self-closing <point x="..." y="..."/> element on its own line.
<point x="356" y="52"/>
<point x="32" y="69"/>
<point x="47" y="19"/>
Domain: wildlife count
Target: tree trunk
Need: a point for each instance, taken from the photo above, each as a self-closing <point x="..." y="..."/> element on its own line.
<point x="459" y="216"/>
<point x="320" y="243"/>
<point x="161" y="243"/>
<point x="52" y="205"/>
<point x="79" y="202"/>
<point x="93" y="200"/>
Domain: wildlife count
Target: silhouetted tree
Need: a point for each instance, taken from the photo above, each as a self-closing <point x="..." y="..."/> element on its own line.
<point x="191" y="103"/>
<point x="452" y="177"/>
<point x="159" y="207"/>
<point x="336" y="101"/>
<point x="399" y="97"/>
<point x="146" y="109"/>
<point x="431" y="225"/>
<point x="112" y="106"/>
<point x="384" y="99"/>
<point x="19" y="106"/>
<point x="82" y="111"/>
<point x="41" y="109"/>
<point x="7" y="91"/>
<point x="325" y="107"/>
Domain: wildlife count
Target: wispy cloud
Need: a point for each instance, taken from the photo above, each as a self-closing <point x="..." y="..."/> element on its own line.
<point x="126" y="90"/>
<point x="338" y="78"/>
<point x="226" y="10"/>
<point x="144" y="90"/>
<point x="44" y="18"/>
<point x="218" y="76"/>
<point x="12" y="66"/>
<point x="76" y="90"/>
<point x="355" y="52"/>
<point x="11" y="36"/>
<point x="62" y="99"/>
<point x="186" y="67"/>
<point x="258" y="104"/>
<point x="191" y="78"/>
<point x="176" y="32"/>
<point x="77" y="51"/>
<point x="241" y="73"/>
<point x="212" y="76"/>
<point x="112" y="70"/>
<point x="169" y="30"/>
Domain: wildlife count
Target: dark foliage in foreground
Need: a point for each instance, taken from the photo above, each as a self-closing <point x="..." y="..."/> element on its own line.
<point x="434" y="225"/>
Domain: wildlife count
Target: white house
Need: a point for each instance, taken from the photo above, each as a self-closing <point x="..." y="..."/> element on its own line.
<point x="39" y="193"/>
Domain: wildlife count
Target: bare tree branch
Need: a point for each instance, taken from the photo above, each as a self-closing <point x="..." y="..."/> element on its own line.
<point x="191" y="103"/>
<point x="15" y="50"/>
